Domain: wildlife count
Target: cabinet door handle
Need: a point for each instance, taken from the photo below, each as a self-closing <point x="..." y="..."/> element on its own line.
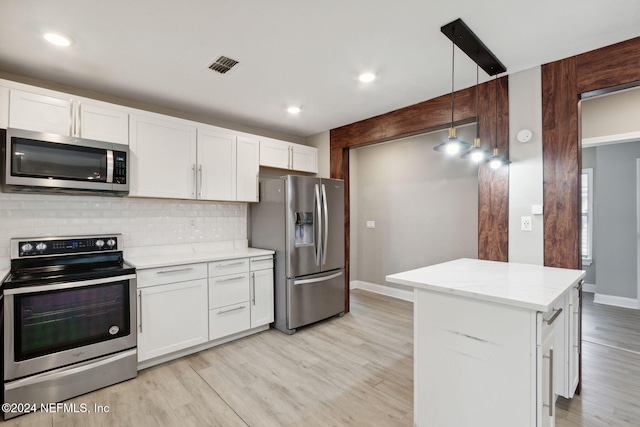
<point x="200" y="182"/>
<point x="195" y="180"/>
<point x="140" y="304"/>
<point x="253" y="288"/>
<point x="72" y="121"/>
<point x="174" y="271"/>
<point x="232" y="309"/>
<point x="290" y="157"/>
<point x="229" y="279"/>
<point x="551" y="405"/>
<point x="555" y="316"/>
<point x="79" y="121"/>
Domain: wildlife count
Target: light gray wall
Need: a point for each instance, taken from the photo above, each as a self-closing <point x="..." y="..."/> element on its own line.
<point x="589" y="161"/>
<point x="424" y="204"/>
<point x="525" y="170"/>
<point x="612" y="114"/>
<point x="614" y="227"/>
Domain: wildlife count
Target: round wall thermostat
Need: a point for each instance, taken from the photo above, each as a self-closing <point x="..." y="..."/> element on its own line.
<point x="524" y="135"/>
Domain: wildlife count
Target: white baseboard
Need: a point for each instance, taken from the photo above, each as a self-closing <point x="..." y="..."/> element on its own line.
<point x="381" y="289"/>
<point x="616" y="301"/>
<point x="589" y="287"/>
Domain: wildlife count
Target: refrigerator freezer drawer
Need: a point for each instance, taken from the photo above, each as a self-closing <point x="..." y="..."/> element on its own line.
<point x="314" y="298"/>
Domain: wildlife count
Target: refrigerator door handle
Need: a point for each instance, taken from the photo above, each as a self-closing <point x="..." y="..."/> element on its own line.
<point x="319" y="223"/>
<point x="317" y="279"/>
<point x="325" y="224"/>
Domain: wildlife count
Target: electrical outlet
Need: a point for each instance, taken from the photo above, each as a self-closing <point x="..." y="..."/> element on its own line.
<point x="371" y="224"/>
<point x="525" y="223"/>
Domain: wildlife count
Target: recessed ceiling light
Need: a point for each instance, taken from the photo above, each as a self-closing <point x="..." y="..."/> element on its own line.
<point x="58" y="39"/>
<point x="294" y="110"/>
<point x="367" y="77"/>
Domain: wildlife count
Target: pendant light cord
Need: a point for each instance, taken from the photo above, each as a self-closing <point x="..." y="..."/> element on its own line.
<point x="496" y="101"/>
<point x="453" y="67"/>
<point x="477" y="99"/>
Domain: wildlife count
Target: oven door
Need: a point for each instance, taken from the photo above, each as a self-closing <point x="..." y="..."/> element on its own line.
<point x="49" y="326"/>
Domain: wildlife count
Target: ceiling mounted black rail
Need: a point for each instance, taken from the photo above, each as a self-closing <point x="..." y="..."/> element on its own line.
<point x="462" y="36"/>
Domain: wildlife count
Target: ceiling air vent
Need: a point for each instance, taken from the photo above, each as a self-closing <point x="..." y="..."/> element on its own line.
<point x="223" y="64"/>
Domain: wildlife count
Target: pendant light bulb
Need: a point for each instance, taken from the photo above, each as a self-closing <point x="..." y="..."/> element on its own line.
<point x="495" y="163"/>
<point x="477" y="156"/>
<point x="453" y="148"/>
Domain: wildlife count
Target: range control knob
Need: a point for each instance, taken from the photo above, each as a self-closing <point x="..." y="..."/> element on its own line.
<point x="111" y="243"/>
<point x="99" y="243"/>
<point x="26" y="247"/>
<point x="41" y="246"/>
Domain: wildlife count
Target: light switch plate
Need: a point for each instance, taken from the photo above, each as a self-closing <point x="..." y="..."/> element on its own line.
<point x="525" y="223"/>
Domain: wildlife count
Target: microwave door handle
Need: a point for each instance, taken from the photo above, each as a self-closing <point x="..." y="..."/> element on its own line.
<point x="109" y="165"/>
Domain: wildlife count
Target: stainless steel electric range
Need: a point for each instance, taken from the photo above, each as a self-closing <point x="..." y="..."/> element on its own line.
<point x="68" y="319"/>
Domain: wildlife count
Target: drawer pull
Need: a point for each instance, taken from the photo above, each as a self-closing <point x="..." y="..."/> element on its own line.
<point x="230" y="264"/>
<point x="174" y="271"/>
<point x="579" y="286"/>
<point x="229" y="279"/>
<point x="232" y="309"/>
<point x="555" y="316"/>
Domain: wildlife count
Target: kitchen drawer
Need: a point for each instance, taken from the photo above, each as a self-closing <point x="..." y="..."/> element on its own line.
<point x="172" y="274"/>
<point x="229" y="266"/>
<point x="229" y="320"/>
<point x="228" y="290"/>
<point x="261" y="263"/>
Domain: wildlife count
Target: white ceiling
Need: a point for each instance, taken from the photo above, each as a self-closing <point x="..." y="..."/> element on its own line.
<point x="304" y="52"/>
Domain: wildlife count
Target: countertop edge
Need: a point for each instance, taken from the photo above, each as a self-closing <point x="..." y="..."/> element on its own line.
<point x="144" y="263"/>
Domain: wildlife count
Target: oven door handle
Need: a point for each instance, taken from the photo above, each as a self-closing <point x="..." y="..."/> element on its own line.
<point x="67" y="285"/>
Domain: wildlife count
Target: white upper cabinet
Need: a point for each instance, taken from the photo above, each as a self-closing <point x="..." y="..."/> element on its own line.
<point x="40" y="113"/>
<point x="275" y="154"/>
<point x="102" y="123"/>
<point x="248" y="167"/>
<point x="66" y="116"/>
<point x="304" y="158"/>
<point x="4" y="107"/>
<point x="216" y="155"/>
<point x="287" y="155"/>
<point x="163" y="157"/>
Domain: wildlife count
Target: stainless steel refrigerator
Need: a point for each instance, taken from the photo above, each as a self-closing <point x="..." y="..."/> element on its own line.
<point x="302" y="219"/>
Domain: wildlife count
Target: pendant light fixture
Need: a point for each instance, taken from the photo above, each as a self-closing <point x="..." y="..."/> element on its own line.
<point x="477" y="153"/>
<point x="452" y="146"/>
<point x="497" y="161"/>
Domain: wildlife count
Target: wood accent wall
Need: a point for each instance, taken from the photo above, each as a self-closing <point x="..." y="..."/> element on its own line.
<point x="563" y="83"/>
<point x="432" y="115"/>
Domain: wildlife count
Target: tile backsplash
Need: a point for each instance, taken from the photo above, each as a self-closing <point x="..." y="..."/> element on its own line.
<point x="143" y="222"/>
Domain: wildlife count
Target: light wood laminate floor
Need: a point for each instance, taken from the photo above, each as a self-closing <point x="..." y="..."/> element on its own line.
<point x="350" y="371"/>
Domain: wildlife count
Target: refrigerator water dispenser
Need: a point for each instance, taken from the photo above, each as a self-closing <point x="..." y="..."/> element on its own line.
<point x="304" y="228"/>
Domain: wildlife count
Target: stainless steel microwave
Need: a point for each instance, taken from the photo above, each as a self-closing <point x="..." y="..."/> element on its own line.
<point x="44" y="162"/>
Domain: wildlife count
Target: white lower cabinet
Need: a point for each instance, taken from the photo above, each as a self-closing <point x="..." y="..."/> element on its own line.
<point x="187" y="308"/>
<point x="547" y="369"/>
<point x="172" y="309"/>
<point x="241" y="300"/>
<point x="574" y="316"/>
<point x="261" y="292"/>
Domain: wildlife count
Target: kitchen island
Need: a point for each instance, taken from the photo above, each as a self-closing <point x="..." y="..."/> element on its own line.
<point x="494" y="342"/>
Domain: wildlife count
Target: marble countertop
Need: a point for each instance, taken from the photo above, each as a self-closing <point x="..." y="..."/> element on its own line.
<point x="523" y="285"/>
<point x="188" y="254"/>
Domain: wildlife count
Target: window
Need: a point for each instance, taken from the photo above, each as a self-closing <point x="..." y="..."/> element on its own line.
<point x="586" y="236"/>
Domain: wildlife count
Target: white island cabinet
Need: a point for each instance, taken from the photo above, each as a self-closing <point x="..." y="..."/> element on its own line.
<point x="489" y="339"/>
